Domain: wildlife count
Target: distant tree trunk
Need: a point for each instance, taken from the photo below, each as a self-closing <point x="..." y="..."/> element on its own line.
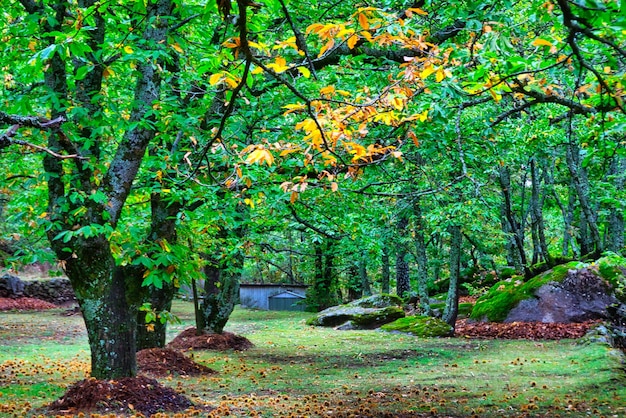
<point x="222" y="274"/>
<point x="615" y="233"/>
<point x="422" y="260"/>
<point x="403" y="283"/>
<point x="581" y="185"/>
<point x="365" y="283"/>
<point x="511" y="224"/>
<point x="384" y="281"/>
<point x="221" y="293"/>
<point x="323" y="293"/>
<point x="355" y="291"/>
<point x="536" y="211"/>
<point x="451" y="310"/>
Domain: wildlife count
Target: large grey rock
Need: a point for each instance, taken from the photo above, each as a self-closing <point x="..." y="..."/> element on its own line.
<point x="581" y="296"/>
<point x="11" y="286"/>
<point x="366" y="313"/>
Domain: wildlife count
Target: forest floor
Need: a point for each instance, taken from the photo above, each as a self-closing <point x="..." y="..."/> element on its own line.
<point x="464" y="328"/>
<point x="288" y="369"/>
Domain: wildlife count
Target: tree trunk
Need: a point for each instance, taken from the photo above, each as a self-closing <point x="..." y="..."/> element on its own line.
<point x="422" y="260"/>
<point x="515" y="228"/>
<point x="221" y="293"/>
<point x="403" y="282"/>
<point x="153" y="334"/>
<point x="365" y="283"/>
<point x="451" y="310"/>
<point x="615" y="233"/>
<point x="384" y="281"/>
<point x="581" y="185"/>
<point x="536" y="205"/>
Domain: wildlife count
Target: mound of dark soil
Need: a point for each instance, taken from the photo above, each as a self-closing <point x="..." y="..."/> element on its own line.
<point x="226" y="341"/>
<point x="25" y="304"/>
<point x="123" y="396"/>
<point x="522" y="330"/>
<point x="163" y="362"/>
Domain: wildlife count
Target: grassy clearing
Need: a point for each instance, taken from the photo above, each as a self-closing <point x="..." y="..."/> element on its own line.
<point x="300" y="371"/>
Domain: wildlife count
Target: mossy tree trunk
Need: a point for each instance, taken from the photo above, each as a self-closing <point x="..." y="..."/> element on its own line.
<point x="87" y="192"/>
<point x="422" y="260"/>
<point x="385" y="270"/>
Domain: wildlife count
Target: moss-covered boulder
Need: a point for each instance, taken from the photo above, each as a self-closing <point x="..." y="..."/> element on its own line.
<point x="570" y="292"/>
<point x="420" y="326"/>
<point x="366" y="313"/>
<point x="382" y="300"/>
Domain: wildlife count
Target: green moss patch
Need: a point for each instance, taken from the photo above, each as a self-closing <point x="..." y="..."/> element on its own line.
<point x="421" y="326"/>
<point x="378" y="301"/>
<point x="506" y="294"/>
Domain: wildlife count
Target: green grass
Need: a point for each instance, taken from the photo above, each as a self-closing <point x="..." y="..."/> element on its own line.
<point x="299" y="370"/>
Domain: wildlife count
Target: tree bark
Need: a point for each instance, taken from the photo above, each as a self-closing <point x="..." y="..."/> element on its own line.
<point x="384" y="281"/>
<point x="511" y="224"/>
<point x="451" y="310"/>
<point x="536" y="205"/>
<point x="422" y="260"/>
<point x="615" y="232"/>
<point x="581" y="186"/>
<point x="403" y="283"/>
<point x="365" y="283"/>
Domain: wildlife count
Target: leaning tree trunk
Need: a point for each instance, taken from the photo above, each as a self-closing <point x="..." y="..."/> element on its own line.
<point x="403" y="283"/>
<point x="511" y="223"/>
<point x="451" y="310"/>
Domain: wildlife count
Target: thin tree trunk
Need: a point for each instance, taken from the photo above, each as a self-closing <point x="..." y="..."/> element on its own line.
<point x="581" y="185"/>
<point x="403" y="283"/>
<point x="365" y="283"/>
<point x="451" y="310"/>
<point x="422" y="260"/>
<point x="537" y="214"/>
<point x="515" y="227"/>
<point x="384" y="281"/>
<point x="615" y="238"/>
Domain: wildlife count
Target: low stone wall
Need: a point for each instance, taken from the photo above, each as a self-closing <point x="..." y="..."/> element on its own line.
<point x="57" y="290"/>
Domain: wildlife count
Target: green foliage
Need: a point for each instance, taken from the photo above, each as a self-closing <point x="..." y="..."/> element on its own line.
<point x="420" y="326"/>
<point x="506" y="294"/>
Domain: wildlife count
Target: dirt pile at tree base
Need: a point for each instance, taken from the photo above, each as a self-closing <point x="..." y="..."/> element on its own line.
<point x="523" y="330"/>
<point x="25" y="304"/>
<point x="164" y="362"/>
<point x="123" y="396"/>
<point x="226" y="341"/>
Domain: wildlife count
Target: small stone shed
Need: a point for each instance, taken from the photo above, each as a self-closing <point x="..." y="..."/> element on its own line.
<point x="278" y="297"/>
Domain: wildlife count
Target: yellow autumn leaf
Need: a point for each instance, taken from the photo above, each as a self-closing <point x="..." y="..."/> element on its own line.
<point x="128" y="49"/>
<point x="327" y="90"/>
<point x="423" y="116"/>
<point x="215" y="78"/>
<point x="367" y="36"/>
<point x="43" y="215"/>
<point x="417" y="10"/>
<point x="426" y="72"/>
<point x="177" y="47"/>
<point x="231" y="83"/>
<point x="329" y="45"/>
<point x="306" y="73"/>
<point x="249" y="202"/>
<point x="239" y="173"/>
<point x="397" y="103"/>
<point x="363" y="21"/>
<point x="32" y="45"/>
<point x="541" y="42"/>
<point x="260" y="156"/>
<point x="293" y="107"/>
<point x="294" y="197"/>
<point x="352" y="41"/>
<point x="334" y="186"/>
<point x="440" y="75"/>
